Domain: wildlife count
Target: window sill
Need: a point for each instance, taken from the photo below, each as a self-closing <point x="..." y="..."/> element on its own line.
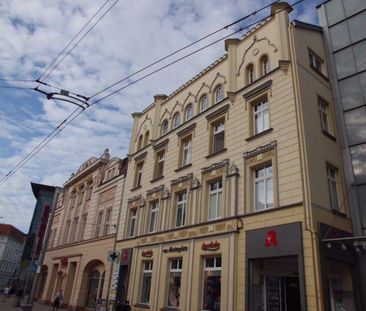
<point x="338" y="213"/>
<point x="183" y="167"/>
<point x="329" y="135"/>
<point x="133" y="189"/>
<point x="259" y="134"/>
<point x="141" y="305"/>
<point x="156" y="179"/>
<point x="216" y="153"/>
<point x="169" y="309"/>
<point x="319" y="73"/>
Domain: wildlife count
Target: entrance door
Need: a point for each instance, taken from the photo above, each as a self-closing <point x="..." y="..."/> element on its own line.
<point x="91" y="297"/>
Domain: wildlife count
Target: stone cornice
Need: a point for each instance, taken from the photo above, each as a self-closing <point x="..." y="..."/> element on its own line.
<point x="186" y="130"/>
<point x="259" y="150"/>
<point x="218" y="112"/>
<point x="214" y="166"/>
<point x="259" y="89"/>
<point x="161" y="144"/>
<point x="181" y="179"/>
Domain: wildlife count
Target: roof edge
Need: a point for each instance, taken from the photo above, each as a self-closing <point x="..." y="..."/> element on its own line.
<point x="307" y="26"/>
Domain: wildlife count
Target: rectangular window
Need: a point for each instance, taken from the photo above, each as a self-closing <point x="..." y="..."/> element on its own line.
<point x="146" y="282"/>
<point x="80" y="197"/>
<point x="133" y="221"/>
<point x="181" y="209"/>
<point x="263" y="188"/>
<point x="74" y="229"/>
<point x="89" y="192"/>
<point x="260" y="116"/>
<point x="98" y="227"/>
<point x="218" y="136"/>
<point x="174" y="284"/>
<point x="324" y="117"/>
<point x="72" y="200"/>
<point x="153" y="217"/>
<point x="107" y="221"/>
<point x="315" y="61"/>
<point x="214" y="200"/>
<point x="160" y="157"/>
<point x="186" y="151"/>
<point x="138" y="176"/>
<point x="83" y="225"/>
<point x="333" y="187"/>
<point x="53" y="242"/>
<point x="212" y="283"/>
<point x="67" y="229"/>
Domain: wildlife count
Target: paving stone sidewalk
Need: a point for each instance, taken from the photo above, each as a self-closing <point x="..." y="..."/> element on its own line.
<point x="8" y="305"/>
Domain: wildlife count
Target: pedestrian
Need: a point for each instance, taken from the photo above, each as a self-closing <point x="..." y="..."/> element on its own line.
<point x="57" y="301"/>
<point x="6" y="293"/>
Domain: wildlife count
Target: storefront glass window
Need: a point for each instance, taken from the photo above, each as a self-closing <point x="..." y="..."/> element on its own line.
<point x="91" y="300"/>
<point x="212" y="284"/>
<point x="175" y="275"/>
<point x="146" y="281"/>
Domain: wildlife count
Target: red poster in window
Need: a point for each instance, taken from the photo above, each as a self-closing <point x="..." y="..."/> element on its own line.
<point x="271" y="238"/>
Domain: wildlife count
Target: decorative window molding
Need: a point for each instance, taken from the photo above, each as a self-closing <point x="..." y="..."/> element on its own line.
<point x="186" y="130"/>
<point x="161" y="145"/>
<point x="259" y="150"/>
<point x="258" y="90"/>
<point x="141" y="156"/>
<point x="218" y="112"/>
<point x="215" y="166"/>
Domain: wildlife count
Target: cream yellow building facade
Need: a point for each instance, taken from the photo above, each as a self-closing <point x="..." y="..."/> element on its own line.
<point x="235" y="180"/>
<point x="82" y="235"/>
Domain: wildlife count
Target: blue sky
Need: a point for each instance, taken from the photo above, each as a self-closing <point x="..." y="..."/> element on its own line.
<point x="32" y="34"/>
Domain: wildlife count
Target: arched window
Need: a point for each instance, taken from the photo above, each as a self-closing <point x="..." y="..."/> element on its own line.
<point x="219" y="93"/>
<point x="204" y="103"/>
<point x="139" y="144"/>
<point x="164" y="127"/>
<point x="264" y="65"/>
<point x="176" y="120"/>
<point x="250" y="73"/>
<point x="146" y="138"/>
<point x="189" y="112"/>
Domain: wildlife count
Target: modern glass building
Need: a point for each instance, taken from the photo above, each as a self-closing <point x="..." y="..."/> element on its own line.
<point x="344" y="24"/>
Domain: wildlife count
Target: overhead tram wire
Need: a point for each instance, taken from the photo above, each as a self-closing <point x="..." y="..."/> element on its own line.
<point x="7" y="176"/>
<point x="185" y="47"/>
<point x="16" y="87"/>
<point x="44" y="76"/>
<point x="188" y="55"/>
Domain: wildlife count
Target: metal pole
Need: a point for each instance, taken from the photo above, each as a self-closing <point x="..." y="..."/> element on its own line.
<point x="43" y="249"/>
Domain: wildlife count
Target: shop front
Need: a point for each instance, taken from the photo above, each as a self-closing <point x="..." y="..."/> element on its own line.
<point x="275" y="280"/>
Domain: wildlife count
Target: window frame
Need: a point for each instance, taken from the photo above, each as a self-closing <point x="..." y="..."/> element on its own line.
<point x="172" y="270"/>
<point x="164" y="127"/>
<point x="188" y="113"/>
<point x="138" y="174"/>
<point x="215" y="133"/>
<point x="210" y="271"/>
<point x="107" y="221"/>
<point x="185" y="152"/>
<point x="202" y="99"/>
<point x="218" y="194"/>
<point x="180" y="204"/>
<point x="264" y="65"/>
<point x="154" y="210"/>
<point x="261" y="101"/>
<point x="264" y="179"/>
<point x="159" y="164"/>
<point x="98" y="224"/>
<point x="147" y="269"/>
<point x="132" y="223"/>
<point x="316" y="62"/>
<point x="176" y="120"/>
<point x="219" y="93"/>
<point x="250" y="73"/>
<point x="334" y="206"/>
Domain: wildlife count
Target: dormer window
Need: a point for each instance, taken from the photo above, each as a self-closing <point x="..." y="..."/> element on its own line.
<point x="176" y="120"/>
<point x="264" y="65"/>
<point x="189" y="112"/>
<point x="164" y="127"/>
<point x="250" y="74"/>
<point x="203" y="103"/>
<point x="219" y="94"/>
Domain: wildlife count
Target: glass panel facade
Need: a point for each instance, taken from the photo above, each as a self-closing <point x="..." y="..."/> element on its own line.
<point x="356" y="23"/>
<point x="335" y="12"/>
<point x="356" y="125"/>
<point x="358" y="154"/>
<point x="354" y="6"/>
<point x="340" y="37"/>
<point x="360" y="52"/>
<point x="351" y="92"/>
<point x="361" y="192"/>
<point x="345" y="64"/>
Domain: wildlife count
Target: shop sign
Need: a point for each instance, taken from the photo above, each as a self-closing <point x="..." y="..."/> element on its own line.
<point x="147" y="253"/>
<point x="212" y="246"/>
<point x="64" y="261"/>
<point x="271" y="238"/>
<point x="175" y="249"/>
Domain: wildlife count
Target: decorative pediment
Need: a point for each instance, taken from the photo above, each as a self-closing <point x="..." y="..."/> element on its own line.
<point x="146" y="124"/>
<point x="219" y="79"/>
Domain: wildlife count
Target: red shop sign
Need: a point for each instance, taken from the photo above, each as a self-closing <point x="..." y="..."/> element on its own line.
<point x="271" y="238"/>
<point x="147" y="253"/>
<point x="212" y="246"/>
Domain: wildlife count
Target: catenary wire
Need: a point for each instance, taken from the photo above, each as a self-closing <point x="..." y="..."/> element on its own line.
<point x="77" y="42"/>
<point x="184" y="48"/>
<point x="7" y="176"/>
<point x="15" y="87"/>
<point x="188" y="55"/>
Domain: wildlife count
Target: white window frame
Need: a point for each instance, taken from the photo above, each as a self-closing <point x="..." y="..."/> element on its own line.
<point x="265" y="65"/>
<point x="147" y="269"/>
<point x="160" y="158"/>
<point x="250" y="73"/>
<point x="98" y="225"/>
<point x="218" y="128"/>
<point x="153" y="221"/>
<point x="107" y="221"/>
<point x="263" y="179"/>
<point x="133" y="223"/>
<point x="260" y="116"/>
<point x="219" y="94"/>
<point x="164" y="127"/>
<point x="215" y="194"/>
<point x="186" y="151"/>
<point x="174" y="269"/>
<point x="181" y="204"/>
<point x="204" y="103"/>
<point x="176" y="120"/>
<point x="189" y="112"/>
<point x="209" y="270"/>
<point x="332" y="175"/>
<point x="324" y="115"/>
<point x="315" y="61"/>
<point x="139" y="169"/>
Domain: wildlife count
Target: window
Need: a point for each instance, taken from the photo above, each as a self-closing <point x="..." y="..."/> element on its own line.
<point x="214" y="200"/>
<point x="203" y="103"/>
<point x="263" y="188"/>
<point x="139" y="144"/>
<point x="67" y="229"/>
<point x="74" y="228"/>
<point x="219" y="94"/>
<point x="138" y="176"/>
<point x="176" y="120"/>
<point x="333" y="187"/>
<point x="82" y="227"/>
<point x="132" y="223"/>
<point x="250" y="74"/>
<point x="89" y="190"/>
<point x="153" y="217"/>
<point x="175" y="276"/>
<point x="212" y="284"/>
<point x="72" y="199"/>
<point x="53" y="241"/>
<point x="218" y="136"/>
<point x="186" y="151"/>
<point x="181" y="209"/>
<point x="315" y="61"/>
<point x="189" y="112"/>
<point x="260" y="116"/>
<point x="159" y="166"/>
<point x="98" y="227"/>
<point x="107" y="221"/>
<point x="146" y="281"/>
<point x="324" y="118"/>
<point x="164" y="127"/>
<point x="264" y="65"/>
<point x="80" y="197"/>
<point x="146" y="141"/>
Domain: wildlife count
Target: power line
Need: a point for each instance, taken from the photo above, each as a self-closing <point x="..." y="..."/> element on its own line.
<point x="17" y="80"/>
<point x="185" y="47"/>
<point x="76" y="44"/>
<point x="189" y="54"/>
<point x="65" y="124"/>
<point x="15" y="87"/>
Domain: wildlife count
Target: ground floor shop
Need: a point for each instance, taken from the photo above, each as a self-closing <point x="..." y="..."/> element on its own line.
<point x="235" y="265"/>
<point x="81" y="270"/>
